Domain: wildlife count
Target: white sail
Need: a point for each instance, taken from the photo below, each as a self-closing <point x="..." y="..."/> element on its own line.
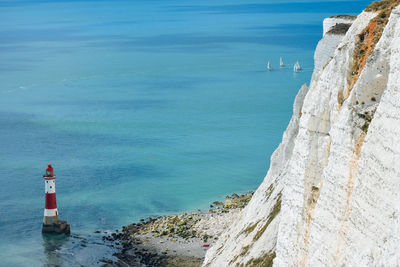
<point x="269" y="66"/>
<point x="281" y="63"/>
<point x="296" y="67"/>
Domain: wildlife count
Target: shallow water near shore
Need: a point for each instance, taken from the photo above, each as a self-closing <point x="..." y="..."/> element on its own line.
<point x="143" y="108"/>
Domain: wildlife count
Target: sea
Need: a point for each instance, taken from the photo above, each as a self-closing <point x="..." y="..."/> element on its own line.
<point x="143" y="108"/>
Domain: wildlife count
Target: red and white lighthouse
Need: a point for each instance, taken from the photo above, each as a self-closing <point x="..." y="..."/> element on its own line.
<point x="51" y="223"/>
<point x="50" y="204"/>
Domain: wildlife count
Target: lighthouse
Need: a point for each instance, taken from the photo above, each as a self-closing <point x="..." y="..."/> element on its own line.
<point x="51" y="222"/>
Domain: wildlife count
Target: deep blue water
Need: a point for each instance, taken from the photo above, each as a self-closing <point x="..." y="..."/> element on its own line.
<point x="143" y="108"/>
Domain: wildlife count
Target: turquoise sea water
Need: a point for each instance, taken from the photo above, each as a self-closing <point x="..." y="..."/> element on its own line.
<point x="143" y="108"/>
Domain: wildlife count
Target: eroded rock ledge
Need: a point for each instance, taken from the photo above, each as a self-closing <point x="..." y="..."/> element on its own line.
<point x="176" y="240"/>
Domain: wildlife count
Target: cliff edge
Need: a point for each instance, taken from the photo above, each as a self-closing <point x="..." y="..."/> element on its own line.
<point x="332" y="193"/>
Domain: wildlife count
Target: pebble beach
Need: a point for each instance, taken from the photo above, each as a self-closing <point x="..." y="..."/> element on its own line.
<point x="174" y="240"/>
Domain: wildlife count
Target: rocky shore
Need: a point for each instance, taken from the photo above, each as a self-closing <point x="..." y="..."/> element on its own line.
<point x="174" y="240"/>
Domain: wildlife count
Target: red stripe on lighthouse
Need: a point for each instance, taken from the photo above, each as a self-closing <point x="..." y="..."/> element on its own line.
<point x="50" y="201"/>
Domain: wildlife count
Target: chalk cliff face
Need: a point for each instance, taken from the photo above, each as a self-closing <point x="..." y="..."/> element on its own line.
<point x="332" y="193"/>
<point x="331" y="39"/>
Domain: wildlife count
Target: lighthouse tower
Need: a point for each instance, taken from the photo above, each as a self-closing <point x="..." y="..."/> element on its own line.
<point x="50" y="204"/>
<point x="51" y="222"/>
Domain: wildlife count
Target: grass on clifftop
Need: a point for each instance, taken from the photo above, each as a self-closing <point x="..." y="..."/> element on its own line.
<point x="350" y="17"/>
<point x="382" y="5"/>
<point x="339" y="29"/>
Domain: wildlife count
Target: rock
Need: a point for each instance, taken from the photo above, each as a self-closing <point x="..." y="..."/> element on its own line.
<point x="218" y="203"/>
<point x="59" y="227"/>
<point x="106" y="261"/>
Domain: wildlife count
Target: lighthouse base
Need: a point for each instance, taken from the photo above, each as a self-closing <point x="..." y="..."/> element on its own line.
<point x="58" y="227"/>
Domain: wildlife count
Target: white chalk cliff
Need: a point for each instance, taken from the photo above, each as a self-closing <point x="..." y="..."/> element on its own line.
<point x="332" y="194"/>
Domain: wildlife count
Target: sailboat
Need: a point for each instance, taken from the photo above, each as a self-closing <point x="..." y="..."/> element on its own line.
<point x="281" y="63"/>
<point x="297" y="67"/>
<point x="269" y="66"/>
